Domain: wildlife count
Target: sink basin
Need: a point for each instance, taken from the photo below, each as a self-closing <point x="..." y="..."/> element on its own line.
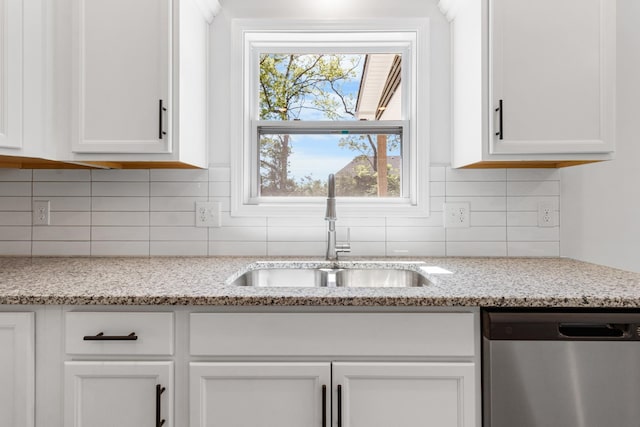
<point x="379" y="278"/>
<point x="283" y="277"/>
<point x="347" y="276"/>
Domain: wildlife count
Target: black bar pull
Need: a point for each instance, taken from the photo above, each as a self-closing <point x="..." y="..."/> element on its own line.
<point x="324" y="406"/>
<point x="593" y="330"/>
<point x="161" y="110"/>
<point x="339" y="405"/>
<point x="100" y="336"/>
<point x="500" y="133"/>
<point x="159" y="421"/>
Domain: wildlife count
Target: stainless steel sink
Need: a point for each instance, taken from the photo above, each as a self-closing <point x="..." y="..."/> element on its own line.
<point x="283" y="277"/>
<point x="340" y="276"/>
<point x="379" y="278"/>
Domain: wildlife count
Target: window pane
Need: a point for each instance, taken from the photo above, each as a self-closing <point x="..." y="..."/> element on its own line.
<point x="298" y="165"/>
<point x="330" y="86"/>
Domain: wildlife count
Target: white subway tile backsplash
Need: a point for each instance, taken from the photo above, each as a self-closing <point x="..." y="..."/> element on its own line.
<point x="172" y="219"/>
<point x="219" y="189"/>
<point x="220" y="248"/>
<point x="120" y="189"/>
<point x="152" y="212"/>
<point x="531" y="203"/>
<point x="178" y="248"/>
<point x="15" y="218"/>
<point x="130" y="175"/>
<point x="238" y="234"/>
<point x="219" y="174"/>
<point x="178" y="233"/>
<point x="19" y="204"/>
<point x="415" y="234"/>
<point x="476" y="234"/>
<point x="15" y="232"/>
<point x="416" y="248"/>
<point x="15" y="189"/>
<point x="533" y="249"/>
<point x="119" y="248"/>
<point x="178" y="175"/>
<point x="48" y="248"/>
<point x="549" y="174"/>
<point x="475" y="188"/>
<point x="120" y="204"/>
<point x="62" y="233"/>
<point x="533" y="234"/>
<point x="120" y="218"/>
<point x="68" y="204"/>
<point x="491" y="249"/>
<point x="62" y="175"/>
<point x="13" y="248"/>
<point x="16" y="175"/>
<point x="533" y="188"/>
<point x="70" y="218"/>
<point x="120" y="233"/>
<point x="65" y="189"/>
<point x="179" y="189"/>
<point x="486" y="204"/>
<point x="476" y="175"/>
<point x="175" y="204"/>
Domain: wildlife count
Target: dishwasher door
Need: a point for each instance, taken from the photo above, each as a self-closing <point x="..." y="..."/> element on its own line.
<point x="561" y="369"/>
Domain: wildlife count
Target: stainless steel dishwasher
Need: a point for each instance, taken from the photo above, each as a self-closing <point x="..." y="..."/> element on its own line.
<point x="552" y="369"/>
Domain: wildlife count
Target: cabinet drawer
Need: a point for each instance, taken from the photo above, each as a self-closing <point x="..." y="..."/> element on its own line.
<point x="332" y="334"/>
<point x="111" y="333"/>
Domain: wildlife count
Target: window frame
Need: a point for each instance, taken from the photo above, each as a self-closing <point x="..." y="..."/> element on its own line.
<point x="253" y="37"/>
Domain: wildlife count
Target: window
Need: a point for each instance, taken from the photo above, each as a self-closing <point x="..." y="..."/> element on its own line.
<point x="341" y="99"/>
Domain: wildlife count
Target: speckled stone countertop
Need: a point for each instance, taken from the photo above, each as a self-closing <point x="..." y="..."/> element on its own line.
<point x="484" y="282"/>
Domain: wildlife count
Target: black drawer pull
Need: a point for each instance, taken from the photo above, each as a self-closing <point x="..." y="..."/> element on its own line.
<point x="339" y="405"/>
<point x="102" y="337"/>
<point x="159" y="421"/>
<point x="499" y="110"/>
<point x="324" y="406"/>
<point x="161" y="110"/>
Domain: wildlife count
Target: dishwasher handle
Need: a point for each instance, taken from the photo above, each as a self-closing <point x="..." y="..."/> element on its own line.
<point x="594" y="330"/>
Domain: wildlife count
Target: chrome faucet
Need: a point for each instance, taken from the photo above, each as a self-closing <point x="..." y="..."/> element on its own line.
<point x="334" y="248"/>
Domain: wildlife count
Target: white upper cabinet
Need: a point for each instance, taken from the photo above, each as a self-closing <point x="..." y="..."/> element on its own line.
<point x="138" y="79"/>
<point x="11" y="43"/>
<point x="533" y="81"/>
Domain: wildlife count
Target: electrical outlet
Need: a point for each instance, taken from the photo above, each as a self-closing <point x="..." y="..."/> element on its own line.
<point x="41" y="212"/>
<point x="546" y="214"/>
<point x="456" y="215"/>
<point x="208" y="214"/>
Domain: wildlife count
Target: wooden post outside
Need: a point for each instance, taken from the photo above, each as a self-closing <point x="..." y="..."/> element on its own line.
<point x="382" y="165"/>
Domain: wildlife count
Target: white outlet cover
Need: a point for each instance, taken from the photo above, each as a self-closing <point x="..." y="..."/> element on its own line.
<point x="456" y="215"/>
<point x="41" y="212"/>
<point x="208" y="214"/>
<point x="547" y="214"/>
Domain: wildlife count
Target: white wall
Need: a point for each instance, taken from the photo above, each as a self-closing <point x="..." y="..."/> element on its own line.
<point x="601" y="202"/>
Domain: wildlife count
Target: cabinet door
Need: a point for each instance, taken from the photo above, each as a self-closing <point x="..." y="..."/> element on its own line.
<point x="123" y="394"/>
<point x="553" y="67"/>
<point x="404" y="394"/>
<point x="259" y="394"/>
<point x="11" y="30"/>
<point x="121" y="75"/>
<point x="17" y="369"/>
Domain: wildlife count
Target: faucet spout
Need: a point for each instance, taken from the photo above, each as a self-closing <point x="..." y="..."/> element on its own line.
<point x="333" y="248"/>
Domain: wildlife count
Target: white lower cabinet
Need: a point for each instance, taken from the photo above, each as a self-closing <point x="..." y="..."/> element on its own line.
<point x="123" y="394"/>
<point x="17" y="369"/>
<point x="404" y="394"/>
<point x="259" y="394"/>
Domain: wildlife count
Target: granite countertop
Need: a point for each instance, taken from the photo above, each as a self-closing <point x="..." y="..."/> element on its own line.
<point x="485" y="282"/>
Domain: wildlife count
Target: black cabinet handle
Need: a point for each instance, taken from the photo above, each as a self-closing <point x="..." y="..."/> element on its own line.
<point x="339" y="405"/>
<point x="161" y="110"/>
<point x="499" y="110"/>
<point x="100" y="336"/>
<point x="324" y="406"/>
<point x="159" y="421"/>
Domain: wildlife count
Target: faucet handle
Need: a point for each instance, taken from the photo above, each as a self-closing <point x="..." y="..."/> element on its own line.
<point x="345" y="247"/>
